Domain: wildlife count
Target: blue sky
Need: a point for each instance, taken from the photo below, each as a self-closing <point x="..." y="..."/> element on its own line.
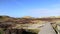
<point x="34" y="8"/>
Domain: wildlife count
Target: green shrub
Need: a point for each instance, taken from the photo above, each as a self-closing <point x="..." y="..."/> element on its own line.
<point x="33" y="30"/>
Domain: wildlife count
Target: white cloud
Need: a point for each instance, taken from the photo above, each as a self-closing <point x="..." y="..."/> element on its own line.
<point x="45" y="12"/>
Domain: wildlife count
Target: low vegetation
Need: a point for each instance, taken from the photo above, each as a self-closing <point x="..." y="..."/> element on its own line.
<point x="8" y="22"/>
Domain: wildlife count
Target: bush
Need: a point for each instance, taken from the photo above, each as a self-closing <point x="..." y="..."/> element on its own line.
<point x="33" y="30"/>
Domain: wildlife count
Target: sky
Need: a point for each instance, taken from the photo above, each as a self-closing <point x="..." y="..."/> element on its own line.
<point x="34" y="8"/>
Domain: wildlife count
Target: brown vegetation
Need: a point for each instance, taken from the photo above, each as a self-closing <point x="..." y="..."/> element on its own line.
<point x="6" y="22"/>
